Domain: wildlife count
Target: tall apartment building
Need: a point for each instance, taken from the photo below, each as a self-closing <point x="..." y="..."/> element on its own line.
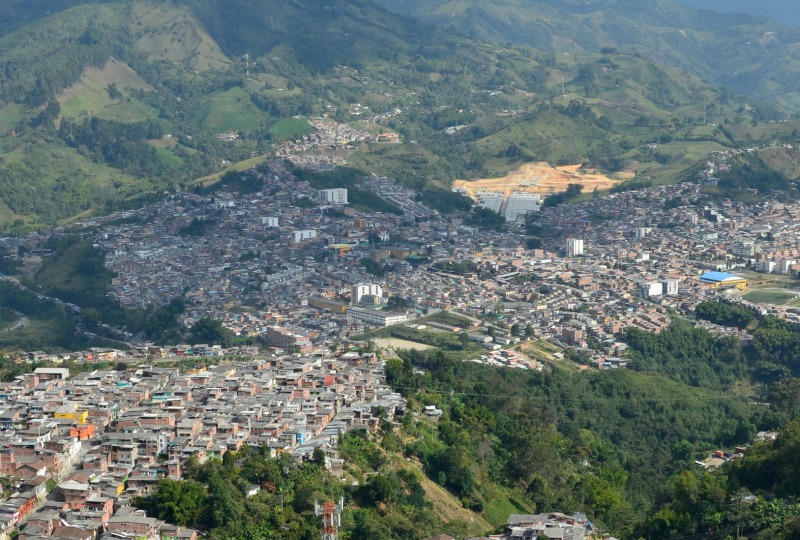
<point x="332" y="196"/>
<point x="365" y="289"/>
<point x="574" y="247"/>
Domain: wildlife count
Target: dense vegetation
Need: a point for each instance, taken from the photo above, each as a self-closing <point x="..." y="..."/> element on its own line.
<point x="602" y="442"/>
<point x="80" y="85"/>
<point x="726" y="313"/>
<point x="389" y="504"/>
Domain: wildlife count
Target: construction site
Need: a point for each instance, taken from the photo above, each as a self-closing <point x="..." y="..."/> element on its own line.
<point x="539" y="178"/>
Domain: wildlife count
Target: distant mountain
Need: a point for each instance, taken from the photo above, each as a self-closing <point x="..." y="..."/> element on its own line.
<point x="104" y="103"/>
<point x="753" y="56"/>
<point x="785" y="11"/>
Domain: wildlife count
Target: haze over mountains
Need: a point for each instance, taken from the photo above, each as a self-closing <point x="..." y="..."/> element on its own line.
<point x="785" y="11"/>
<point x="92" y="90"/>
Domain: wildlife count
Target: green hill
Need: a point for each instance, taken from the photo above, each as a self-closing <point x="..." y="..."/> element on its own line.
<point x="132" y="95"/>
<point x="751" y="55"/>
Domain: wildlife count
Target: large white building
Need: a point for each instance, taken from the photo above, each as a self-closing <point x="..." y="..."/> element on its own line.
<point x="744" y="248"/>
<point x="375" y="317"/>
<point x="269" y="221"/>
<point x="491" y="200"/>
<point x="365" y="289"/>
<point x="332" y="196"/>
<point x="518" y="204"/>
<point x="301" y="236"/>
<point x="652" y="288"/>
<point x="670" y="287"/>
<point x="574" y="247"/>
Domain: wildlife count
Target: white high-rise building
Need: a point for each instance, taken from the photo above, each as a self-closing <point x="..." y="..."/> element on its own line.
<point x="574" y="247"/>
<point x="652" y="288"/>
<point x="365" y="289"/>
<point x="332" y="196"/>
<point x="670" y="287"/>
<point x="300" y="236"/>
<point x="269" y="221"/>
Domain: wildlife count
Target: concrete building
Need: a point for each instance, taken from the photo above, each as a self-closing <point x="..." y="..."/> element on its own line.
<point x="332" y="196"/>
<point x="572" y="335"/>
<point x="519" y="204"/>
<point x="652" y="288"/>
<point x="491" y="200"/>
<point x="376" y="317"/>
<point x="574" y="247"/>
<point x="744" y="248"/>
<point x="300" y="236"/>
<point x="286" y="339"/>
<point x="363" y="290"/>
<point x="269" y="221"/>
<point x="670" y="287"/>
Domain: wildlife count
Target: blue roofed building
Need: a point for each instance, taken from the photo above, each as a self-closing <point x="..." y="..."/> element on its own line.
<point x="719" y="280"/>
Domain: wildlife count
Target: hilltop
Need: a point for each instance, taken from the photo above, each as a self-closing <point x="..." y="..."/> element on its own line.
<point x="104" y="105"/>
<point x="750" y="54"/>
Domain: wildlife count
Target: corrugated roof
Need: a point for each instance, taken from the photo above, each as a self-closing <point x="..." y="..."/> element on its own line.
<point x="719" y="276"/>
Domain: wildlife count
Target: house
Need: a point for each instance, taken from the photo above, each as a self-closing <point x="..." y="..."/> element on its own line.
<point x="136" y="524"/>
<point x="74" y="493"/>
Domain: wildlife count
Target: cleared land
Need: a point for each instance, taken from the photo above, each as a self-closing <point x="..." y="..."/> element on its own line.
<point x="229" y="110"/>
<point x="90" y="95"/>
<point x="538" y="177"/>
<point x="401" y="344"/>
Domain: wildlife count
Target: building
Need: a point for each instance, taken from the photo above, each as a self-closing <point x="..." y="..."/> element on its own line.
<point x="744" y="248"/>
<point x="491" y="200"/>
<point x="49" y="374"/>
<point x="519" y="204"/>
<point x="720" y="280"/>
<point x="286" y="339"/>
<point x="269" y="221"/>
<point x="364" y="290"/>
<point x="375" y="317"/>
<point x="670" y="287"/>
<point x="572" y="336"/>
<point x="328" y="305"/>
<point x="301" y="236"/>
<point x="574" y="247"/>
<point x="652" y="288"/>
<point x="332" y="196"/>
<point x="642" y="232"/>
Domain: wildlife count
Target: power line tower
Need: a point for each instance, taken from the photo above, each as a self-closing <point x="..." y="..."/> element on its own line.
<point x="331" y="513"/>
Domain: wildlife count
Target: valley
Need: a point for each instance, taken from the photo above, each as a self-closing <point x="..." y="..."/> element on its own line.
<point x="405" y="270"/>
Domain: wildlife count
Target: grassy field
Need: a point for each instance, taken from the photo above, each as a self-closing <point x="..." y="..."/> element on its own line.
<point x="169" y="32"/>
<point x="90" y="96"/>
<point x="166" y="157"/>
<point x="10" y="115"/>
<point x="767" y="296"/>
<point x="290" y="128"/>
<point x="212" y="179"/>
<point x="229" y="110"/>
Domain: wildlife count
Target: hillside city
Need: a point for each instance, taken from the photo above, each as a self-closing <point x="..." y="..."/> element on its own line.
<point x="286" y="265"/>
<point x="399" y="270"/>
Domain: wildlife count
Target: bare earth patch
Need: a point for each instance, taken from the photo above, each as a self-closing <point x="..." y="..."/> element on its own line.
<point x="540" y="177"/>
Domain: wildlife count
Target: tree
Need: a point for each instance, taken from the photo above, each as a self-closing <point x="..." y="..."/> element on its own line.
<point x="210" y="331"/>
<point x="178" y="502"/>
<point x="397" y="302"/>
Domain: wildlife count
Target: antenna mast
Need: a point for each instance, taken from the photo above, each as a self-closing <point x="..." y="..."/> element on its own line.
<point x="331" y="513"/>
